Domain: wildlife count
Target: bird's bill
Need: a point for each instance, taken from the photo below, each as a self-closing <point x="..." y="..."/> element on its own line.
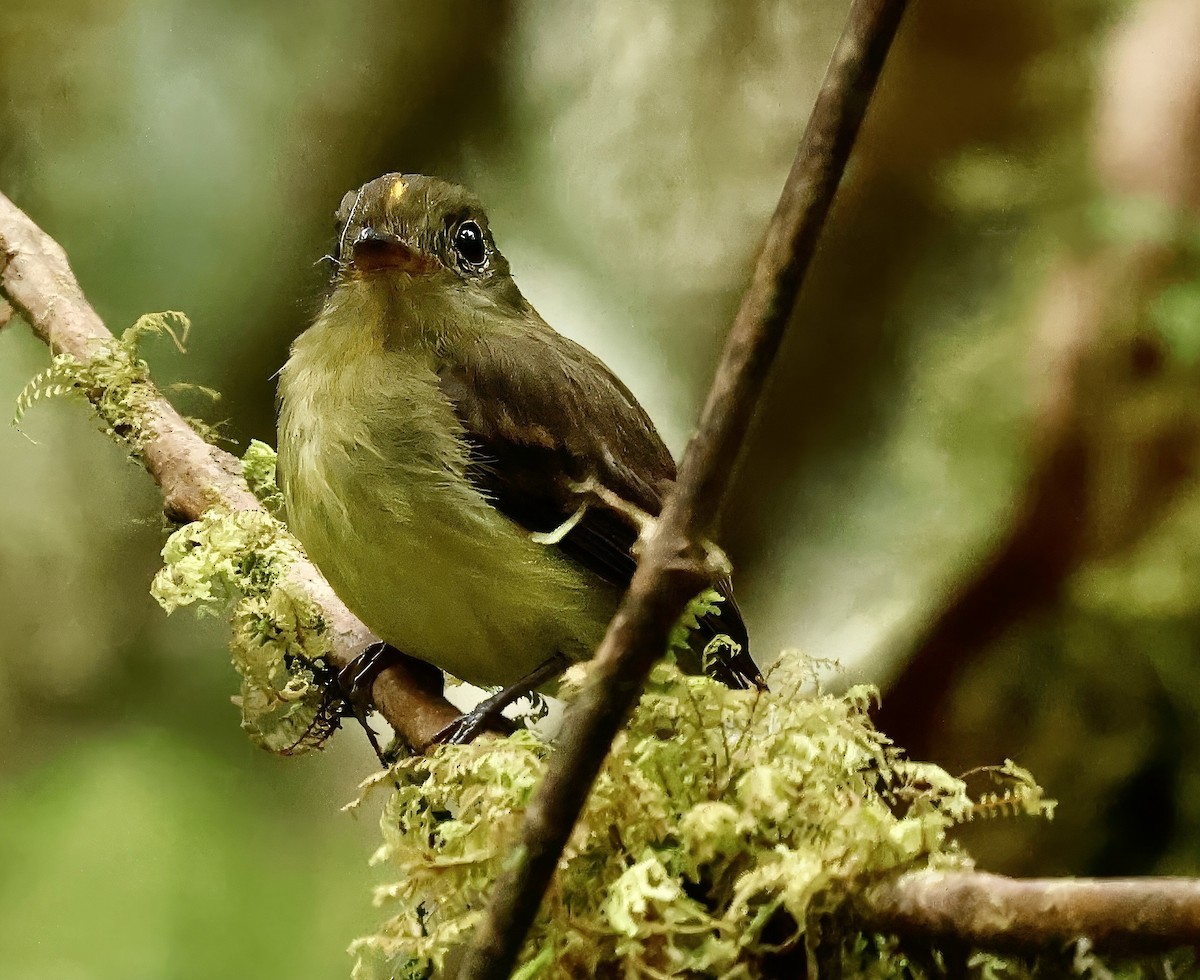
<point x="375" y="252"/>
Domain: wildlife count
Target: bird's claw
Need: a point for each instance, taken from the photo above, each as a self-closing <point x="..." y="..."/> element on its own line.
<point x="488" y="714"/>
<point x="356" y="678"/>
<point x="355" y="681"/>
<point x="470" y="725"/>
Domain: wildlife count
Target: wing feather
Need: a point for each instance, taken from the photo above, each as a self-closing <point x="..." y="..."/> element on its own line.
<point x="542" y="413"/>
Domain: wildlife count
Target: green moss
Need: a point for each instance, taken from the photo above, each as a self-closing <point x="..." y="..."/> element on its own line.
<point x="232" y="564"/>
<point x="258" y="467"/>
<point x="236" y="564"/>
<point x="116" y="381"/>
<point x="723" y="826"/>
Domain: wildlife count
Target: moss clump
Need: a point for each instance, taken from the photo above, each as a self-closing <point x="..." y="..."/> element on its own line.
<point x="236" y="564"/>
<point x="258" y="467"/>
<point x="723" y="826"/>
<point x="116" y="381"/>
<point x="224" y="563"/>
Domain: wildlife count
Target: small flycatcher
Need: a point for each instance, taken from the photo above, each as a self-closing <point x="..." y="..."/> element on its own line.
<point x="434" y="436"/>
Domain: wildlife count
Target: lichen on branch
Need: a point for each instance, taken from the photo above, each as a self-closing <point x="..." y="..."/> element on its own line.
<point x="235" y="564"/>
<point x="259" y="464"/>
<point x="723" y="826"/>
<point x="231" y="563"/>
<point x="116" y="381"/>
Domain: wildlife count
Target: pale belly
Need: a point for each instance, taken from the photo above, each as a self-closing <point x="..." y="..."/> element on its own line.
<point x="439" y="574"/>
<point x="488" y="607"/>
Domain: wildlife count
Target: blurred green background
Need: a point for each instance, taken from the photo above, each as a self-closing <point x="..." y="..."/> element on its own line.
<point x="189" y="157"/>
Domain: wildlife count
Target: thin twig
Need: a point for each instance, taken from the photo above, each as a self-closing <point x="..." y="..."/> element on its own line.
<point x="1031" y="915"/>
<point x="194" y="476"/>
<point x="671" y="571"/>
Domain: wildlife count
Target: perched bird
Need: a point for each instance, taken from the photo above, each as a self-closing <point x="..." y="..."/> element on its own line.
<point x="435" y="439"/>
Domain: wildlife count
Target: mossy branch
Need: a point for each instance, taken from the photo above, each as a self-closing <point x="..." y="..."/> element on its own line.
<point x="723" y="825"/>
<point x="735" y="834"/>
<point x="196" y="477"/>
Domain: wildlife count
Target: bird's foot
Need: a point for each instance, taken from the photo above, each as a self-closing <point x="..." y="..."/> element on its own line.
<point x="355" y="680"/>
<point x="357" y="677"/>
<point x="470" y="725"/>
<point x="488" y="713"/>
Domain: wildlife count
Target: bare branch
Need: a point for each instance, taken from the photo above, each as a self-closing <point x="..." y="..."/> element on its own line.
<point x="671" y="570"/>
<point x="1032" y="914"/>
<point x="193" y="475"/>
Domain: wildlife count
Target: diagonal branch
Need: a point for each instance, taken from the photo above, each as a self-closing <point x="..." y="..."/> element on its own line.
<point x="671" y="570"/>
<point x="194" y="476"/>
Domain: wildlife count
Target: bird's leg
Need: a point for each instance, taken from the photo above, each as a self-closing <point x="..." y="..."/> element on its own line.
<point x="487" y="714"/>
<point x="357" y="677"/>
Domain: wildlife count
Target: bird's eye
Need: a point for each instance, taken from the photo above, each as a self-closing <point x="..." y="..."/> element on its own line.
<point x="469" y="244"/>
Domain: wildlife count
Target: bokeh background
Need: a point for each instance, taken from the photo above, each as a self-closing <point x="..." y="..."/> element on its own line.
<point x="935" y="495"/>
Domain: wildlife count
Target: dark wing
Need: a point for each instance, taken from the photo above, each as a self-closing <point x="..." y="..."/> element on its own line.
<point x="542" y="413"/>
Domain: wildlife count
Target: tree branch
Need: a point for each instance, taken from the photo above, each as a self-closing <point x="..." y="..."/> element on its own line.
<point x="671" y="571"/>
<point x="1031" y="915"/>
<point x="194" y="476"/>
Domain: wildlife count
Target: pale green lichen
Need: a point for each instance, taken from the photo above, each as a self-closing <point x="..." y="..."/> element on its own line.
<point x="236" y="564"/>
<point x="259" y="464"/>
<point x="116" y="380"/>
<point x="231" y="564"/>
<point x="723" y="826"/>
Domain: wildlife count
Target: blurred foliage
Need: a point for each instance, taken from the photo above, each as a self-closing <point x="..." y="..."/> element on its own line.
<point x="189" y="156"/>
<point x="144" y="854"/>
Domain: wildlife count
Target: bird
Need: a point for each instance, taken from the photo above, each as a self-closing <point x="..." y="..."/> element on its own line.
<point x="436" y="439"/>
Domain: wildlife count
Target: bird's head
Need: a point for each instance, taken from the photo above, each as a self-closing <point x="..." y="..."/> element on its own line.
<point x="412" y="235"/>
